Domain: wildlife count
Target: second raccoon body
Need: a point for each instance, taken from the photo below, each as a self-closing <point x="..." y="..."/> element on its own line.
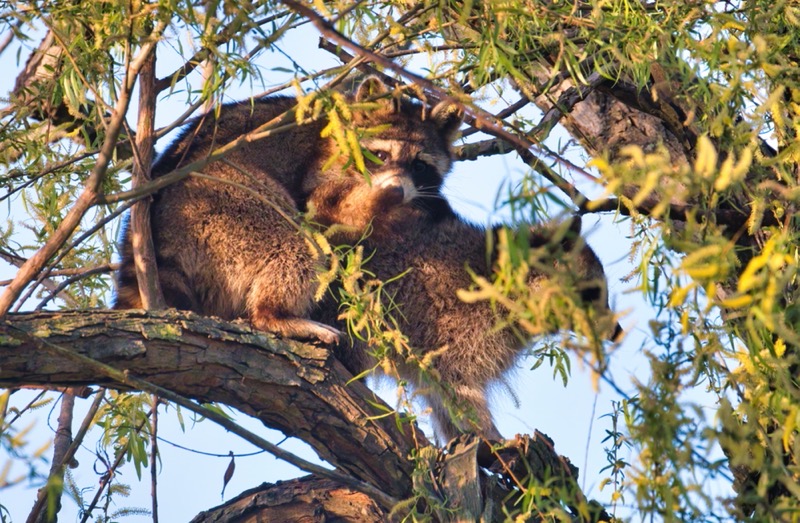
<point x="465" y="347"/>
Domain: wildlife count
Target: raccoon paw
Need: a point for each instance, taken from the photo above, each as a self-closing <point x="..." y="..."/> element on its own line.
<point x="319" y="331"/>
<point x="299" y="329"/>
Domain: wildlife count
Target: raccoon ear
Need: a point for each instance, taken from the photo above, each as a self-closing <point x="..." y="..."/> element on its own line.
<point x="448" y="117"/>
<point x="371" y="88"/>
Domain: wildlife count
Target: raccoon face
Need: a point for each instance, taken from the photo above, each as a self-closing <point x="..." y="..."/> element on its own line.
<point x="407" y="160"/>
<point x="413" y="151"/>
<point x="400" y="189"/>
<point x="410" y="174"/>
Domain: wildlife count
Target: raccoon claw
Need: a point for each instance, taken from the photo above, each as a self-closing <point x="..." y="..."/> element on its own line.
<point x="299" y="329"/>
<point x="324" y="333"/>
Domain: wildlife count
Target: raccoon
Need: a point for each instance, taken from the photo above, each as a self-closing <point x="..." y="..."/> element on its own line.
<point x="222" y="251"/>
<point x="465" y="348"/>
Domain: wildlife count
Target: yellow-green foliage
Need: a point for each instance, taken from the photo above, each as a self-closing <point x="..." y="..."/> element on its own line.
<point x="712" y="224"/>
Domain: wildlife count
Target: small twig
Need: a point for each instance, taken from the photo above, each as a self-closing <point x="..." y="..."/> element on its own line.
<point x="46" y="133"/>
<point x="9" y="37"/>
<point x="106" y="479"/>
<point x="433" y="48"/>
<point x="69" y="455"/>
<point x="154" y="458"/>
<point x="19" y="261"/>
<point x="31" y="179"/>
<point x="84" y="273"/>
<point x="110" y="267"/>
<point x="305" y="78"/>
<point x="66" y="250"/>
<point x="224" y="36"/>
<point x="22" y="411"/>
<point x="502" y="115"/>
<point x="13" y="259"/>
<point x="212" y="454"/>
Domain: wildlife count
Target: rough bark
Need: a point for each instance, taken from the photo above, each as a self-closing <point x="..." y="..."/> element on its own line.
<point x="306" y="499"/>
<point x="298" y="389"/>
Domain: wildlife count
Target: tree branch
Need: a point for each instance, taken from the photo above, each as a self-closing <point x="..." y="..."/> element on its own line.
<point x="63" y="458"/>
<point x="230" y="31"/>
<point x="296" y="388"/>
<point x="144" y="256"/>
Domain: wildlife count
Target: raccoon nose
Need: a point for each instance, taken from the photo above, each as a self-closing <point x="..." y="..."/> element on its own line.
<point x="394" y="195"/>
<point x="392" y="191"/>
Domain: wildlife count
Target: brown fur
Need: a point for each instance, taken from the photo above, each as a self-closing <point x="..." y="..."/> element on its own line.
<point x="222" y="251"/>
<point x="470" y="352"/>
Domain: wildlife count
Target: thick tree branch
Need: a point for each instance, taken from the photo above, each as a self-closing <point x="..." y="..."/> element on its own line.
<point x="296" y="388"/>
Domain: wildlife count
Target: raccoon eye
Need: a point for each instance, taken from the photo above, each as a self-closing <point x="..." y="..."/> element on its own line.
<point x="419" y="167"/>
<point x="381" y="155"/>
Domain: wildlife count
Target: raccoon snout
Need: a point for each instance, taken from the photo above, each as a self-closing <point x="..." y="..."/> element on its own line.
<point x="395" y="190"/>
<point x="392" y="193"/>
